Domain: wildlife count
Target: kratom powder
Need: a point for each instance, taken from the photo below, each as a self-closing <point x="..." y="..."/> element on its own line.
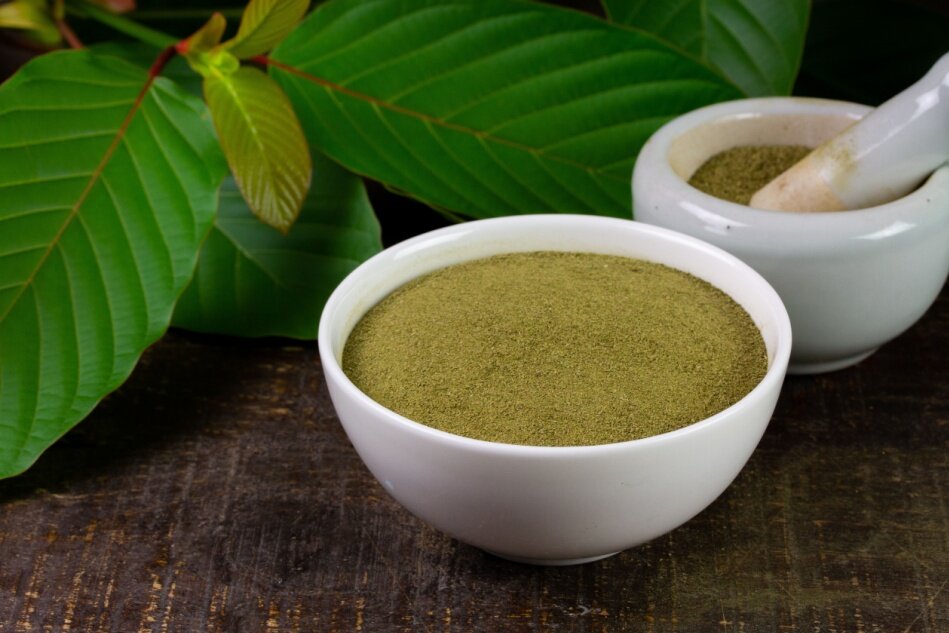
<point x="556" y="349"/>
<point x="737" y="173"/>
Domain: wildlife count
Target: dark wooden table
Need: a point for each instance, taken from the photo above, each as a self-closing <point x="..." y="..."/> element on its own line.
<point x="216" y="491"/>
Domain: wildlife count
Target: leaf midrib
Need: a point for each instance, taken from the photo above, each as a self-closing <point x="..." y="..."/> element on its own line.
<point x="421" y="116"/>
<point x="229" y="86"/>
<point x="93" y="179"/>
<point x="265" y="158"/>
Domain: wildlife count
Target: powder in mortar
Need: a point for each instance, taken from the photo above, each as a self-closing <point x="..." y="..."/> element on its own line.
<point x="737" y="173"/>
<point x="556" y="349"/>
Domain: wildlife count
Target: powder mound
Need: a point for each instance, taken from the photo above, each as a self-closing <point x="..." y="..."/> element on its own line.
<point x="738" y="173"/>
<point x="556" y="349"/>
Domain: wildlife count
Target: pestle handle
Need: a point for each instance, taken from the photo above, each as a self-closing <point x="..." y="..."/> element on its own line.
<point x="883" y="156"/>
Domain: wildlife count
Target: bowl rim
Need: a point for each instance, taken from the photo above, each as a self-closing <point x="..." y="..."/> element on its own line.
<point x="653" y="165"/>
<point x="333" y="371"/>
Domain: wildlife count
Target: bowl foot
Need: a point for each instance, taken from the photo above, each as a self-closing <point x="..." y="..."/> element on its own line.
<point x="824" y="367"/>
<point x="551" y="562"/>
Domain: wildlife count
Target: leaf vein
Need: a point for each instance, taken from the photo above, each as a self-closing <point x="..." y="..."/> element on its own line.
<point x="547" y="74"/>
<point x="440" y="40"/>
<point x="56" y="139"/>
<point x="472" y="63"/>
<point x="621" y="124"/>
<point x="593" y="96"/>
<point x="471" y="174"/>
<point x="408" y="150"/>
<point x="333" y="88"/>
<point x="74" y="211"/>
<point x="37" y="181"/>
<point x="246" y="254"/>
<point x="368" y="34"/>
<point x="68" y="108"/>
<point x="736" y="41"/>
<point x="137" y="265"/>
<point x="29" y="212"/>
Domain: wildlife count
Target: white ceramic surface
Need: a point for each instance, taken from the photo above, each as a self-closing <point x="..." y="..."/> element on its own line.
<point x="851" y="280"/>
<point x="887" y="154"/>
<point x="552" y="505"/>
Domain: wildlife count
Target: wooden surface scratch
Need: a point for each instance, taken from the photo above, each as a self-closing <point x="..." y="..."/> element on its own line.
<point x="216" y="491"/>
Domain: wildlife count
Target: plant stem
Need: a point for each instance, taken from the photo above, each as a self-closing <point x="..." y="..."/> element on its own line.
<point x="161" y="61"/>
<point x="68" y="34"/>
<point x="124" y="25"/>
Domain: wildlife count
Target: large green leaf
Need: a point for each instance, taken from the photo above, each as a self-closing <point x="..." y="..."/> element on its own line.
<point x="756" y="43"/>
<point x="487" y="107"/>
<point x="108" y="186"/>
<point x="252" y="281"/>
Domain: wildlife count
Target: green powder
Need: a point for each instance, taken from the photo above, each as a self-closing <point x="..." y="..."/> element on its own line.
<point x="556" y="349"/>
<point x="736" y="174"/>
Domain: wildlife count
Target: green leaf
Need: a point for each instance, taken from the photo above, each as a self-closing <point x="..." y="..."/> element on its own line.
<point x="755" y="43"/>
<point x="252" y="281"/>
<point x="214" y="63"/>
<point x="32" y="16"/>
<point x="22" y="14"/>
<point x="263" y="143"/>
<point x="264" y="23"/>
<point x="207" y="37"/>
<point x="202" y="52"/>
<point x="487" y="107"/>
<point x="108" y="186"/>
<point x="143" y="55"/>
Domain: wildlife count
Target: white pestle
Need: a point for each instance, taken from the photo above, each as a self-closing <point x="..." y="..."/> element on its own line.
<point x="882" y="157"/>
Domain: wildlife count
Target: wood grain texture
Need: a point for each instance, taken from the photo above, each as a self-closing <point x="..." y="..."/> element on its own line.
<point x="216" y="491"/>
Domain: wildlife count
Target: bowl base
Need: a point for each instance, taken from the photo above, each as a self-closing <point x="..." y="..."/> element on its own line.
<point x="551" y="562"/>
<point x="834" y="365"/>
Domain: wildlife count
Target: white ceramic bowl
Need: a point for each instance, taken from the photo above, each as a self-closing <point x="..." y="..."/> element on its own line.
<point x="552" y="505"/>
<point x="851" y="280"/>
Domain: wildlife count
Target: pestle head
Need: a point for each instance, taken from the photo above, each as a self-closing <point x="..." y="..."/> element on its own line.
<point x="882" y="157"/>
<point x="800" y="188"/>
